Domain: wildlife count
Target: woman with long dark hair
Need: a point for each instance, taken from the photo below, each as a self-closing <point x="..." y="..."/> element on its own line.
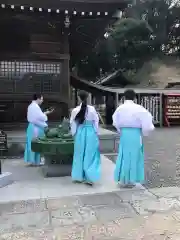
<point x="84" y="127"/>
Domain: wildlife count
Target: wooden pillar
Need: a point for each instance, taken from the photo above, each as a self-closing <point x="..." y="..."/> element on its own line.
<point x="161" y="110"/>
<point x="116" y="99"/>
<point x="90" y="99"/>
<point x="66" y="80"/>
<point x="110" y="108"/>
<point x="65" y="77"/>
<point x="76" y="97"/>
<point x="65" y="87"/>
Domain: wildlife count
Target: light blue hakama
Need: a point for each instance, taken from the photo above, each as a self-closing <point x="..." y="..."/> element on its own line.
<point x="86" y="160"/>
<point x="32" y="132"/>
<point x="130" y="162"/>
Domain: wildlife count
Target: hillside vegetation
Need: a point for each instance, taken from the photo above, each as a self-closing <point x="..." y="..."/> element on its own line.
<point x="157" y="73"/>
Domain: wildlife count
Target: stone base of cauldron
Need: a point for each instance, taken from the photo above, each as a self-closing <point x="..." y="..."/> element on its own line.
<point x="56" y="170"/>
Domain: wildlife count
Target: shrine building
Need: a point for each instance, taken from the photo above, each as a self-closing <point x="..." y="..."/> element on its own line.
<point x="40" y="40"/>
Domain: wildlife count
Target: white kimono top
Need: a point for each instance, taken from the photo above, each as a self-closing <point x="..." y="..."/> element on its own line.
<point x="133" y="115"/>
<point x="36" y="116"/>
<point x="91" y="115"/>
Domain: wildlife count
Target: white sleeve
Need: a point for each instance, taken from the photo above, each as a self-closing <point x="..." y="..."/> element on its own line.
<point x="73" y="124"/>
<point x="40" y="124"/>
<point x="36" y="116"/>
<point x="115" y="118"/>
<point x="146" y="122"/>
<point x="96" y="121"/>
<point x="41" y="116"/>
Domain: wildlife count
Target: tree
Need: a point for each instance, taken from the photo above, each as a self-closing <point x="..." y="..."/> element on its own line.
<point x="131" y="38"/>
<point x="150" y="28"/>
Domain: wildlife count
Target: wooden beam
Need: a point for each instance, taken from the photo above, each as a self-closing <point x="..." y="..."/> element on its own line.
<point x="53" y="56"/>
<point x="79" y="5"/>
<point x="33" y="56"/>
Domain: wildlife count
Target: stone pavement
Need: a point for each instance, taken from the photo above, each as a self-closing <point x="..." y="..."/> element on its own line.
<point x="59" y="210"/>
<point x="134" y="214"/>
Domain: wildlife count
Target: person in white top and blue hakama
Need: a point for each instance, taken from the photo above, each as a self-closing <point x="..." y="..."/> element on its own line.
<point x="84" y="123"/>
<point x="132" y="122"/>
<point x="37" y="122"/>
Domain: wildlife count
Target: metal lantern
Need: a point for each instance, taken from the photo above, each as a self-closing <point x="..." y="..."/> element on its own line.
<point x="67" y="22"/>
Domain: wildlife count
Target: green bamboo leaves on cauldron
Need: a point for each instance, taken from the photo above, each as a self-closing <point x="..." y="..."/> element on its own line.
<point x="62" y="132"/>
<point x="56" y="141"/>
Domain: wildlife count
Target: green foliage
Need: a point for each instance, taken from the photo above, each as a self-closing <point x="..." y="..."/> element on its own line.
<point x="132" y="43"/>
<point x="131" y="29"/>
<point x="149" y="30"/>
<point x="61" y="132"/>
<point x="128" y="41"/>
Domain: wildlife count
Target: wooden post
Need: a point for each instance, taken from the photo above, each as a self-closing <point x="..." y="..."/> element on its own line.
<point x="161" y="110"/>
<point x="116" y="100"/>
<point x="76" y="97"/>
<point x="3" y="146"/>
<point x="65" y="76"/>
<point x="0" y="162"/>
<point x="90" y="99"/>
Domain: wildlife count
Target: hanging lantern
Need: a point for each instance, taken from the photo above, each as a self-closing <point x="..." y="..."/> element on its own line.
<point x="67" y="22"/>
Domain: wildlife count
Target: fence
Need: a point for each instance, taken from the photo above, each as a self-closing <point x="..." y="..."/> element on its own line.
<point x="30" y="76"/>
<point x="164" y="105"/>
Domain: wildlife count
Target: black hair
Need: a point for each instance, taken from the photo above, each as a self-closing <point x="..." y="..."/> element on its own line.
<point x="80" y="117"/>
<point x="37" y="96"/>
<point x="129" y="94"/>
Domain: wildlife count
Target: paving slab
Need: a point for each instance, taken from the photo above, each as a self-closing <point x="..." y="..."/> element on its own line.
<point x="101" y="199"/>
<point x="137" y="228"/>
<point x="16" y="222"/>
<point x="19" y="191"/>
<point x="64" y="217"/>
<point x="88" y="214"/>
<point x="75" y="232"/>
<point x="134" y="195"/>
<point x="168" y="192"/>
<point x="40" y="234"/>
<point x="65" y="202"/>
<point x="37" y="205"/>
<point x="122" y="210"/>
<point x="143" y="207"/>
<point x="155" y="237"/>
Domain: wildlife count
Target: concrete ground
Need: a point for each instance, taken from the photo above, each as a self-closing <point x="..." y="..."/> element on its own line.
<point x="120" y="215"/>
<point x="34" y="208"/>
<point x="30" y="184"/>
